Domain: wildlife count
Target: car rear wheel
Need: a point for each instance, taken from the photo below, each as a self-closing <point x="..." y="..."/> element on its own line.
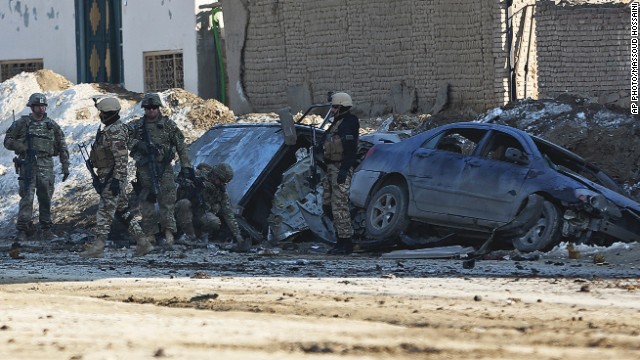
<point x="387" y="213"/>
<point x="544" y="233"/>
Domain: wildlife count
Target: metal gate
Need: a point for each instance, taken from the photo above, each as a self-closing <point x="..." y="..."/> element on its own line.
<point x="99" y="41"/>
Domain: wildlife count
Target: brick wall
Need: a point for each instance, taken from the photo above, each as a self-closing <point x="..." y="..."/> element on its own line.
<point x="389" y="55"/>
<point x="582" y="48"/>
<point x="396" y="55"/>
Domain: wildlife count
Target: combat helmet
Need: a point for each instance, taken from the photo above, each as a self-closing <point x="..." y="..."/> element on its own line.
<point x="223" y="172"/>
<point x="203" y="169"/>
<point x="37" y="99"/>
<point x="342" y="99"/>
<point x="151" y="99"/>
<point x="107" y="104"/>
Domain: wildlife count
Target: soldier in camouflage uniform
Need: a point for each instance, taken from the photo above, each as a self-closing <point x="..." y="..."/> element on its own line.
<point x="340" y="144"/>
<point x="154" y="142"/>
<point x="202" y="202"/>
<point x="109" y="155"/>
<point x="36" y="139"/>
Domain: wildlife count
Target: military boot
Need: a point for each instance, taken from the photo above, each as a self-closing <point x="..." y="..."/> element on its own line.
<point x="168" y="237"/>
<point x="344" y="246"/>
<point x="46" y="234"/>
<point x="242" y="245"/>
<point x="22" y="236"/>
<point x="95" y="248"/>
<point x="143" y="246"/>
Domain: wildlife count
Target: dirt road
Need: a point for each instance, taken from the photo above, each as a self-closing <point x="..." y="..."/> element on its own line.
<point x="202" y="306"/>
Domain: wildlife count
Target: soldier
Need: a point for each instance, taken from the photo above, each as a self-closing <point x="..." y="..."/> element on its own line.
<point x="36" y="139"/>
<point x="340" y="144"/>
<point x="109" y="155"/>
<point x="204" y="201"/>
<point x="154" y="141"/>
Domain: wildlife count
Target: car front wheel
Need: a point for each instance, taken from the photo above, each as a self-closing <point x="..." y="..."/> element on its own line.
<point x="544" y="233"/>
<point x="387" y="213"/>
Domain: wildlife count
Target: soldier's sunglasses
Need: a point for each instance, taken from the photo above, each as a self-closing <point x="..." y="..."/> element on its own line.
<point x="151" y="107"/>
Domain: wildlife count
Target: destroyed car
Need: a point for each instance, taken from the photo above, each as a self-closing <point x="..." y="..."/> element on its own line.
<point x="481" y="180"/>
<point x="276" y="189"/>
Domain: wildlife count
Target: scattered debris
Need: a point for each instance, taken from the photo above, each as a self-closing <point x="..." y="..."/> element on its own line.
<point x="444" y="252"/>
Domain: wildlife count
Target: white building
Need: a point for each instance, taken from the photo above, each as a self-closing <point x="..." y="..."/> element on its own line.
<point x="143" y="45"/>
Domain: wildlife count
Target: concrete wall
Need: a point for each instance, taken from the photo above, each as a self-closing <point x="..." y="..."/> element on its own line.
<point x="157" y="26"/>
<point x="525" y="48"/>
<point x="40" y="29"/>
<point x="46" y="29"/>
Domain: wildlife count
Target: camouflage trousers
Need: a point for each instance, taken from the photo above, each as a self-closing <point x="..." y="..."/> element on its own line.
<point x="42" y="182"/>
<point x="195" y="222"/>
<point x="166" y="201"/>
<point x="108" y="206"/>
<point x="337" y="195"/>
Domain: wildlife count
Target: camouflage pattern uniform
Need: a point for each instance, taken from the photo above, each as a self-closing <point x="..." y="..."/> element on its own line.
<point x="46" y="139"/>
<point x="201" y="206"/>
<point x="166" y="140"/>
<point x="109" y="155"/>
<point x="340" y="147"/>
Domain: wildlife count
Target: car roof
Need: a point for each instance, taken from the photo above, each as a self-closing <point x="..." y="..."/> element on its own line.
<point x="509" y="129"/>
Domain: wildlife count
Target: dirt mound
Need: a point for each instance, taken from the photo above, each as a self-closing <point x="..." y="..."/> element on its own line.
<point x="202" y="113"/>
<point x="604" y="136"/>
<point x="119" y="91"/>
<point x="50" y="81"/>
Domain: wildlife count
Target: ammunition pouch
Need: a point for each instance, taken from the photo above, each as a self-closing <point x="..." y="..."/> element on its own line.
<point x="333" y="149"/>
<point x="101" y="158"/>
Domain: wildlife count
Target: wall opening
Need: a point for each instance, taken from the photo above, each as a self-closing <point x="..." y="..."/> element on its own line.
<point x="163" y="70"/>
<point x="11" y="68"/>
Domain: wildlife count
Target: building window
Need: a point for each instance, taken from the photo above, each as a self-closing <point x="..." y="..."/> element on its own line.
<point x="163" y="70"/>
<point x="11" y="68"/>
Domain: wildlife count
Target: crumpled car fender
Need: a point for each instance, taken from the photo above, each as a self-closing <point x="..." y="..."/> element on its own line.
<point x="526" y="218"/>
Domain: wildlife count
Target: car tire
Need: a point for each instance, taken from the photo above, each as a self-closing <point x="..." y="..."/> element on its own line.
<point x="544" y="233"/>
<point x="387" y="213"/>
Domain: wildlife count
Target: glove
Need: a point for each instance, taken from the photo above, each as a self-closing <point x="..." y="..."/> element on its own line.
<point x="327" y="211"/>
<point x="65" y="174"/>
<point x="19" y="147"/>
<point x="188" y="173"/>
<point x="98" y="186"/>
<point x="115" y="187"/>
<point x="342" y="176"/>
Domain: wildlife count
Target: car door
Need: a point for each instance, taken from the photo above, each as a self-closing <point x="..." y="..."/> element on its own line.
<point x="489" y="184"/>
<point x="435" y="167"/>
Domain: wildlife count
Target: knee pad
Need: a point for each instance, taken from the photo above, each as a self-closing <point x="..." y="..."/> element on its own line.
<point x="210" y="223"/>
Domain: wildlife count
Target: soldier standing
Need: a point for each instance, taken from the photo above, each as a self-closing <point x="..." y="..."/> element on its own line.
<point x="36" y="139"/>
<point x="109" y="155"/>
<point x="340" y="147"/>
<point x="204" y="201"/>
<point x="154" y="142"/>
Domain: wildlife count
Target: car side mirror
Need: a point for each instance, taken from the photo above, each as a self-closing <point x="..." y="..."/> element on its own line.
<point x="514" y="155"/>
<point x="288" y="126"/>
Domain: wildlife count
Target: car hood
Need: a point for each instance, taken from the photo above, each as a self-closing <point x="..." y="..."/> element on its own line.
<point x="616" y="198"/>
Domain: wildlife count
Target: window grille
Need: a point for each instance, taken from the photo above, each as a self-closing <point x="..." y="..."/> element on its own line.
<point x="163" y="70"/>
<point x="11" y="68"/>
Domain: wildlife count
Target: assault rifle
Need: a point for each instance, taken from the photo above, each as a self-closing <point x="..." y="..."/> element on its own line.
<point x="97" y="184"/>
<point x="152" y="151"/>
<point x="29" y="160"/>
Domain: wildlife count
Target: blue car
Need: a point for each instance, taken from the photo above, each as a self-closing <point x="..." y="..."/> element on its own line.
<point x="478" y="180"/>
